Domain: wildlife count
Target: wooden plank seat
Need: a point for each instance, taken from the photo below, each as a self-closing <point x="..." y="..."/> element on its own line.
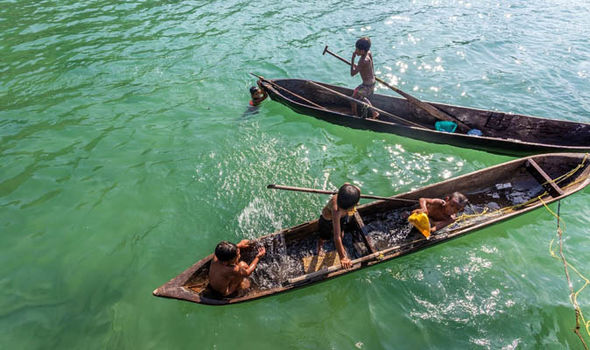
<point x="544" y="179"/>
<point x="365" y="236"/>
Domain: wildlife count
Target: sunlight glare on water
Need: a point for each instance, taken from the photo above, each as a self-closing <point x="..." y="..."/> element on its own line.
<point x="128" y="151"/>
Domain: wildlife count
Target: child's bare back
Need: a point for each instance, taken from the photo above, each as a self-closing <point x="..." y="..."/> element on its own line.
<point x="442" y="212"/>
<point x="227" y="274"/>
<point x="226" y="279"/>
<point x="365" y="69"/>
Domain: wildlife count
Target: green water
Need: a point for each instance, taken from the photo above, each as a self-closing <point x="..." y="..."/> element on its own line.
<point x="125" y="157"/>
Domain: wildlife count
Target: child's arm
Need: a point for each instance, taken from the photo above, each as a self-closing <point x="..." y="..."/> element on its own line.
<point x="248" y="271"/>
<point x="441" y="224"/>
<point x="264" y="94"/>
<point x="243" y="243"/>
<point x="423" y="202"/>
<point x="344" y="260"/>
<point x="354" y="69"/>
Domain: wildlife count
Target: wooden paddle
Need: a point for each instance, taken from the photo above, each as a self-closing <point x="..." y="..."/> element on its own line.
<point x="430" y="109"/>
<point x="311" y="190"/>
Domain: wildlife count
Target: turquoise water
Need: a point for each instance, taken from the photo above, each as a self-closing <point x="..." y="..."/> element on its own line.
<point x="125" y="157"/>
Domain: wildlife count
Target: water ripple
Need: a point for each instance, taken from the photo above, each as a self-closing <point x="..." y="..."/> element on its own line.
<point x="127" y="155"/>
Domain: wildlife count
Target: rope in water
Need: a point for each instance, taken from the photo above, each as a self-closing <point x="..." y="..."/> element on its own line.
<point x="573" y="295"/>
<point x="566" y="265"/>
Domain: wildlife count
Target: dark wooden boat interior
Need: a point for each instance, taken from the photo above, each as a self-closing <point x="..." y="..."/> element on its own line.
<point x="492" y="124"/>
<point x="380" y="231"/>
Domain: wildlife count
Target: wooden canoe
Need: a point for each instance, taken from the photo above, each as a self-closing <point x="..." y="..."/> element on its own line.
<point x="503" y="133"/>
<point x="380" y="232"/>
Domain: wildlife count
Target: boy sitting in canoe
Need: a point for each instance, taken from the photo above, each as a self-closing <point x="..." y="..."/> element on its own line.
<point x="227" y="274"/>
<point x="441" y="212"/>
<point x="364" y="91"/>
<point x="339" y="207"/>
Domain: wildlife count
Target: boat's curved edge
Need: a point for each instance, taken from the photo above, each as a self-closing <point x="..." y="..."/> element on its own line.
<point x="483" y="143"/>
<point x="174" y="288"/>
<point x="437" y="104"/>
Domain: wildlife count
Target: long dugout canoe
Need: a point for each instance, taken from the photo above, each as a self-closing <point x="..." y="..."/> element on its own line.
<point x="380" y="232"/>
<point x="503" y="133"/>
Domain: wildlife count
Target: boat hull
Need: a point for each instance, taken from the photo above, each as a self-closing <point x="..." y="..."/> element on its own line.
<point x="526" y="182"/>
<point x="498" y="128"/>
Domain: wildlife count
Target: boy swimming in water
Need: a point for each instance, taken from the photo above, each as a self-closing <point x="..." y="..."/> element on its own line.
<point x="365" y="67"/>
<point x="339" y="207"/>
<point x="440" y="212"/>
<point x="227" y="274"/>
<point x="258" y="94"/>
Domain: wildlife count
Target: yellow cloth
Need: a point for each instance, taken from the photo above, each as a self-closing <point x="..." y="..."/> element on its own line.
<point x="421" y="222"/>
<point x="351" y="212"/>
<point x="319" y="262"/>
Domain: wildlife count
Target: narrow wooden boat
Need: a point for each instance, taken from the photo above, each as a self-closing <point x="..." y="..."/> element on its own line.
<point x="504" y="133"/>
<point x="380" y="232"/>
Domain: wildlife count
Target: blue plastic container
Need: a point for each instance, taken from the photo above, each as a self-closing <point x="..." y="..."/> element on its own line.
<point x="475" y="132"/>
<point x="445" y="126"/>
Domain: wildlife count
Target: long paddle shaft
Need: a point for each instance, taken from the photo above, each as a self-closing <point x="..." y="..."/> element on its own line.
<point x="433" y="111"/>
<point x="323" y="272"/>
<point x="311" y="190"/>
<point x="398" y="118"/>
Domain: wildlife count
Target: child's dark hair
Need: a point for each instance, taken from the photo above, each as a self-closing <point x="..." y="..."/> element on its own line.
<point x="253" y="90"/>
<point x="348" y="196"/>
<point x="226" y="251"/>
<point x="363" y="43"/>
<point x="459" y="198"/>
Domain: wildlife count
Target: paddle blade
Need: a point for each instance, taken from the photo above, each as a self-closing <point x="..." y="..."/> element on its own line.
<point x="421" y="222"/>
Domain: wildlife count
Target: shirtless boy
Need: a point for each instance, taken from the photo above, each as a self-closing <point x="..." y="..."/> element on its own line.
<point x="442" y="212"/>
<point x="227" y="274"/>
<point x="340" y="206"/>
<point x="365" y="67"/>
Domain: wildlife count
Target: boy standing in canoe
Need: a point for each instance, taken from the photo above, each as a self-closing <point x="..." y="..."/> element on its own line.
<point x="227" y="274"/>
<point x="365" y="67"/>
<point x="340" y="206"/>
